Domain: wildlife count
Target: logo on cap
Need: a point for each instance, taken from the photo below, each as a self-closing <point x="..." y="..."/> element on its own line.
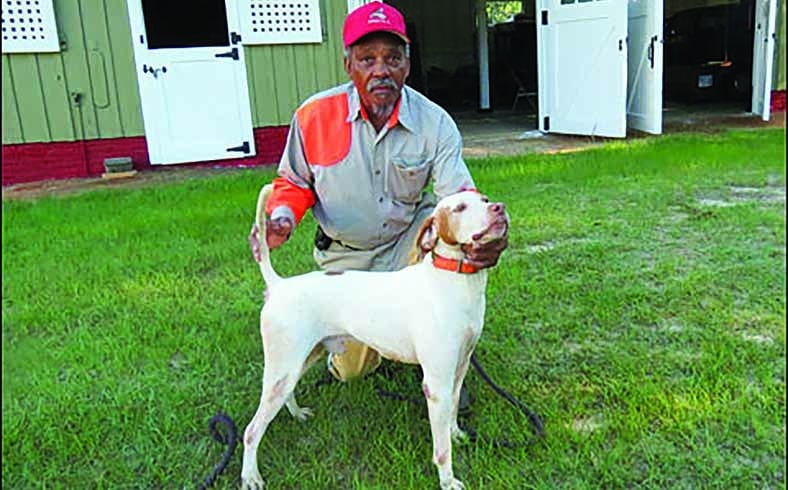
<point x="378" y="16"/>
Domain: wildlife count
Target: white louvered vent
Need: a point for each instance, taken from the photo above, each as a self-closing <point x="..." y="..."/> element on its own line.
<point x="281" y="22"/>
<point x="29" y="26"/>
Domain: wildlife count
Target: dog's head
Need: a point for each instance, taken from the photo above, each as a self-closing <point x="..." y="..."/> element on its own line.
<point x="460" y="219"/>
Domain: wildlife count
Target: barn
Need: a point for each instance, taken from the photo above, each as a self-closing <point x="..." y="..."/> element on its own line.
<point x="215" y="82"/>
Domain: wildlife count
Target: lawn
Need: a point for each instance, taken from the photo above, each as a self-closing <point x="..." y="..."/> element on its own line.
<point x="639" y="309"/>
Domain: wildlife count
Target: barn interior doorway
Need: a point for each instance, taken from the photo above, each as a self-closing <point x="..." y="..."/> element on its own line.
<point x="708" y="57"/>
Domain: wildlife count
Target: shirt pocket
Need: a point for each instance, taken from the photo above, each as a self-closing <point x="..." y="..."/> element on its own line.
<point x="408" y="177"/>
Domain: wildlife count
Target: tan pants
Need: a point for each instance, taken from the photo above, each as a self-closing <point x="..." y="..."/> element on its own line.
<point x="358" y="359"/>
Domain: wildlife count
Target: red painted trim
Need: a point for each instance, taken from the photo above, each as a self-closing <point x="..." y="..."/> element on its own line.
<point x="31" y="162"/>
<point x="778" y="101"/>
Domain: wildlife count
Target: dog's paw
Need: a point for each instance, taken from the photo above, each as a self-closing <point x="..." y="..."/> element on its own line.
<point x="459" y="436"/>
<point x="302" y="413"/>
<point x="453" y="484"/>
<point x="254" y="482"/>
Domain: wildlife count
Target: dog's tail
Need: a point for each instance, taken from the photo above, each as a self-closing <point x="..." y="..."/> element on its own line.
<point x="269" y="274"/>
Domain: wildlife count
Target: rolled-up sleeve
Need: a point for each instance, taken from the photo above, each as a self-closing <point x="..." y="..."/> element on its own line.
<point x="293" y="192"/>
<point x="450" y="173"/>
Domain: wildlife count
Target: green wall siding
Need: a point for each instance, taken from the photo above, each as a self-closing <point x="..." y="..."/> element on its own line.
<point x="779" y="55"/>
<point x="39" y="90"/>
<point x="282" y="76"/>
<point x="88" y="90"/>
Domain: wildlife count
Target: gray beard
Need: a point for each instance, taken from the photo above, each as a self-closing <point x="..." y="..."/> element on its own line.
<point x="381" y="112"/>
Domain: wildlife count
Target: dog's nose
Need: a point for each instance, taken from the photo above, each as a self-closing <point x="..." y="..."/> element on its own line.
<point x="498" y="208"/>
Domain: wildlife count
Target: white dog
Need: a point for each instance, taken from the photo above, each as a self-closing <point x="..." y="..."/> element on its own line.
<point x="430" y="313"/>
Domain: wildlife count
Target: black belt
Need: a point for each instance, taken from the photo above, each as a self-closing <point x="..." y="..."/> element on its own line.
<point x="323" y="241"/>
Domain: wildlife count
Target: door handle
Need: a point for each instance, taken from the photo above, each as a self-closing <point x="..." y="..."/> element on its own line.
<point x="651" y="51"/>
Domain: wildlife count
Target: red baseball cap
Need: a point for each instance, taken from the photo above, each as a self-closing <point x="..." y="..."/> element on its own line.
<point x="373" y="17"/>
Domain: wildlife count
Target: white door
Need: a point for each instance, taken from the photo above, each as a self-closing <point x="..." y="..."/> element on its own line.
<point x="644" y="71"/>
<point x="192" y="80"/>
<point x="763" y="56"/>
<point x="582" y="66"/>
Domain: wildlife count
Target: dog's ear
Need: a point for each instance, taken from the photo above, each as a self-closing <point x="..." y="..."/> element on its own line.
<point x="426" y="239"/>
<point x="445" y="233"/>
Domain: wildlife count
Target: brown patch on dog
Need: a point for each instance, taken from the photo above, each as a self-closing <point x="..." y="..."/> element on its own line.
<point x="276" y="391"/>
<point x="250" y="433"/>
<point x="426" y="390"/>
<point x="425" y="241"/>
<point x="334" y="273"/>
<point x="445" y="232"/>
<point x="441" y="459"/>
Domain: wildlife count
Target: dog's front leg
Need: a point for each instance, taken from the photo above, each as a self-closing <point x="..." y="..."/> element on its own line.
<point x="439" y="393"/>
<point x="457" y="434"/>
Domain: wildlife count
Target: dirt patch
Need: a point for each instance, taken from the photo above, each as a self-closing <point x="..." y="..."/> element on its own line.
<point x="35" y="190"/>
<point x="736" y="195"/>
<point x="702" y="123"/>
<point x="586" y="425"/>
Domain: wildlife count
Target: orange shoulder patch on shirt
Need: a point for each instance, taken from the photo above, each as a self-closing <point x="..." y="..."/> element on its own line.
<point x="325" y="130"/>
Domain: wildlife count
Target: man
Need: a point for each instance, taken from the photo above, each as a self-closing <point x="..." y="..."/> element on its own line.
<point x="361" y="156"/>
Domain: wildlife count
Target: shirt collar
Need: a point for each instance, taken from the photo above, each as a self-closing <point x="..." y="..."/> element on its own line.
<point x="402" y="112"/>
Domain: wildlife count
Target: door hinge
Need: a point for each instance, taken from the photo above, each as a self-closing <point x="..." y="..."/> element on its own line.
<point x="233" y="53"/>
<point x="544" y="17"/>
<point x="546" y="123"/>
<point x="244" y="147"/>
<point x="235" y="38"/>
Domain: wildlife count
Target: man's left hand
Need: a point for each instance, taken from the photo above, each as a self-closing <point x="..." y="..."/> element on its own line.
<point x="484" y="255"/>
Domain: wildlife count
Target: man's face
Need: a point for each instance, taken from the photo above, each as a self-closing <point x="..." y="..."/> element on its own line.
<point x="378" y="67"/>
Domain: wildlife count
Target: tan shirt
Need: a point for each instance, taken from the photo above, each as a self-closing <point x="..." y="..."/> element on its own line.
<point x="366" y="186"/>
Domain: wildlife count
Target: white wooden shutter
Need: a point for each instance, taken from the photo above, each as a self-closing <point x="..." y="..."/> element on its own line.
<point x="582" y="66"/>
<point x="29" y="26"/>
<point x="644" y="65"/>
<point x="280" y="21"/>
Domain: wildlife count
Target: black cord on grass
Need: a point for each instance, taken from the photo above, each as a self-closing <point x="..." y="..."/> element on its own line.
<point x="230" y="440"/>
<point x="536" y="422"/>
<point x="473" y="436"/>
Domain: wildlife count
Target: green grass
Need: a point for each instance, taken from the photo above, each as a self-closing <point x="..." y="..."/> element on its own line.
<point x="640" y="309"/>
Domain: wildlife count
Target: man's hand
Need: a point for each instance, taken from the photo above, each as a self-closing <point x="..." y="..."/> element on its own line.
<point x="276" y="233"/>
<point x="484" y="255"/>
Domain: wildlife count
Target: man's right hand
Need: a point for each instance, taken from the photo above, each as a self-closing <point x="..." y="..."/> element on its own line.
<point x="277" y="232"/>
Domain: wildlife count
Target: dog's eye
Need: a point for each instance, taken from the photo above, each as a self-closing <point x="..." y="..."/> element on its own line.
<point x="485" y="199"/>
<point x="459" y="208"/>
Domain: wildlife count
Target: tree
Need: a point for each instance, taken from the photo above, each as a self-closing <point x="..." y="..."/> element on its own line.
<point x="498" y="12"/>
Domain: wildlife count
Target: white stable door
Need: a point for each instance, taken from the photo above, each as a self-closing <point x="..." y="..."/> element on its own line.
<point x="763" y="56"/>
<point x="644" y="71"/>
<point x="582" y="66"/>
<point x="192" y="80"/>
